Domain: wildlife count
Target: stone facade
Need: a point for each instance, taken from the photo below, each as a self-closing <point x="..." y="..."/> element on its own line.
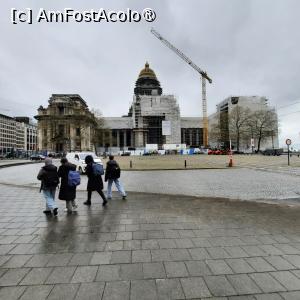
<point x="65" y="125"/>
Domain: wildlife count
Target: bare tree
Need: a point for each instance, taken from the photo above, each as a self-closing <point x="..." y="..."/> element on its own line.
<point x="263" y="124"/>
<point x="238" y="124"/>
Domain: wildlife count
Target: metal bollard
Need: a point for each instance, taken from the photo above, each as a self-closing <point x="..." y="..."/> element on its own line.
<point x="185" y="163"/>
<point x="131" y="164"/>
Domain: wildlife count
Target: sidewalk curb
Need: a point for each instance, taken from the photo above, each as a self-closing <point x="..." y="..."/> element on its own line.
<point x="20" y="164"/>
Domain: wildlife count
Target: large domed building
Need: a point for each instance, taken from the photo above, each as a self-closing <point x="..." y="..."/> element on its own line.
<point x="153" y="118"/>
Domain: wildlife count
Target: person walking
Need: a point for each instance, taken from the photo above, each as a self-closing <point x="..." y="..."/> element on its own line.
<point x="112" y="174"/>
<point x="95" y="182"/>
<point x="67" y="191"/>
<point x="49" y="182"/>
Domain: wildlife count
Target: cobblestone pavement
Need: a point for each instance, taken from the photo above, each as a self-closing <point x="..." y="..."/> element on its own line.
<point x="243" y="184"/>
<point x="149" y="246"/>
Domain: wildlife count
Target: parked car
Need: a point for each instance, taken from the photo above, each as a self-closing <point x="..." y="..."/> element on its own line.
<point x="37" y="157"/>
<point x="274" y="152"/>
<point x="78" y="159"/>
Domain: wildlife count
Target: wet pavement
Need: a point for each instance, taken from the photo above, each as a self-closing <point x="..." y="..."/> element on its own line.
<point x="235" y="183"/>
<point x="150" y="246"/>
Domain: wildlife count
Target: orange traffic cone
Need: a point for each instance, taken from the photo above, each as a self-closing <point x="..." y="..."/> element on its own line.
<point x="230" y="162"/>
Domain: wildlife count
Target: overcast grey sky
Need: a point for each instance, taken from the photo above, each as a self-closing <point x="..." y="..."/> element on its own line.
<point x="249" y="47"/>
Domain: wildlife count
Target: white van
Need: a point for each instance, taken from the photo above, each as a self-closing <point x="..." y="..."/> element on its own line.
<point x="78" y="159"/>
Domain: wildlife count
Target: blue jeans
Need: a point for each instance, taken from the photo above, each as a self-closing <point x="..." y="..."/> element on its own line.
<point x="118" y="185"/>
<point x="49" y="195"/>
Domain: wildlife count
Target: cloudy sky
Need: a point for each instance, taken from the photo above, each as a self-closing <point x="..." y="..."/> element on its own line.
<point x="249" y="47"/>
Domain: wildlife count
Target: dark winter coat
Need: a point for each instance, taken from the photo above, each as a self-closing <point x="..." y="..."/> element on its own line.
<point x="66" y="192"/>
<point x="94" y="181"/>
<point x="110" y="172"/>
<point x="43" y="173"/>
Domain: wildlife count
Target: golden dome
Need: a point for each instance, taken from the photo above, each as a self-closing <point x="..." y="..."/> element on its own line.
<point x="147" y="72"/>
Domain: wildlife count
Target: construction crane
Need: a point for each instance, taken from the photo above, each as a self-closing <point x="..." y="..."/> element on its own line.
<point x="204" y="77"/>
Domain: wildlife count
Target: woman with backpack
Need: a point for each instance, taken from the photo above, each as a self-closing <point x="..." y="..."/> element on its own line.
<point x="49" y="182"/>
<point x="69" y="180"/>
<point x="95" y="183"/>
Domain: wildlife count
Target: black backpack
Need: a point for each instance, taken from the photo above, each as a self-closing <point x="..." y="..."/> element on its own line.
<point x="115" y="171"/>
<point x="50" y="179"/>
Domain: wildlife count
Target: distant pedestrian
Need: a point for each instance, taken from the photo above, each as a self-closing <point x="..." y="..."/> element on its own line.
<point x="95" y="182"/>
<point x="69" y="181"/>
<point x="49" y="182"/>
<point x="112" y="174"/>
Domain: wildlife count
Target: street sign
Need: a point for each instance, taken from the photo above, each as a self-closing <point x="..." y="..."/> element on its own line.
<point x="288" y="141"/>
<point x="252" y="143"/>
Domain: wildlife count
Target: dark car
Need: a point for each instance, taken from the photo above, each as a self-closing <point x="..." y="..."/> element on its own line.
<point x="37" y="157"/>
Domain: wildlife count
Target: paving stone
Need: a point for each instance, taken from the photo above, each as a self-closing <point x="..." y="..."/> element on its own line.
<point x="199" y="253"/>
<point x="61" y="275"/>
<point x="121" y="257"/>
<point x="4" y="249"/>
<point x="169" y="289"/>
<point x="59" y="260"/>
<point x="131" y="271"/>
<point x="184" y="243"/>
<point x="80" y="259"/>
<point x="259" y="264"/>
<point x="90" y="291"/>
<point x="293" y="259"/>
<point x="219" y="286"/>
<point x="154" y="270"/>
<point x="143" y="289"/>
<point x="236" y="252"/>
<point x="11" y="292"/>
<point x="63" y="291"/>
<point x="287" y="249"/>
<point x="267" y="283"/>
<point x="194" y="287"/>
<point x="141" y="256"/>
<point x="36" y="276"/>
<point x="108" y="273"/>
<point x="217" y="252"/>
<point x="39" y="260"/>
<point x="270" y="250"/>
<point x="179" y="254"/>
<point x="243" y="284"/>
<point x="37" y="292"/>
<point x="166" y="243"/>
<point x="218" y="267"/>
<point x="287" y="279"/>
<point x="197" y="268"/>
<point x="13" y="276"/>
<point x="4" y="259"/>
<point x="239" y="265"/>
<point x="290" y="296"/>
<point x="132" y="245"/>
<point x="84" y="274"/>
<point x="201" y="242"/>
<point x="116" y="290"/>
<point x="247" y="297"/>
<point x="16" y="261"/>
<point x="101" y="258"/>
<point x="21" y="249"/>
<point x="254" y="251"/>
<point x="160" y="255"/>
<point x="175" y="269"/>
<point x="124" y="236"/>
<point x="114" y="246"/>
<point x="268" y="297"/>
<point x="150" y="244"/>
<point x="279" y="263"/>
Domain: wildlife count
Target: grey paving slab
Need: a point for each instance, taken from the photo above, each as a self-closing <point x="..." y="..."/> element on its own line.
<point x="259" y="264"/>
<point x="63" y="291"/>
<point x="219" y="267"/>
<point x="194" y="287"/>
<point x="11" y="292"/>
<point x="239" y="265"/>
<point x="90" y="291"/>
<point x="279" y="263"/>
<point x="267" y="283"/>
<point x="120" y="257"/>
<point x="176" y="269"/>
<point x="36" y="276"/>
<point x="84" y="274"/>
<point x="199" y="253"/>
<point x="101" y="258"/>
<point x="61" y="275"/>
<point x="154" y="270"/>
<point x="197" y="268"/>
<point x="268" y="297"/>
<point x="243" y="284"/>
<point x="13" y="276"/>
<point x="143" y="289"/>
<point x="219" y="286"/>
<point x="287" y="279"/>
<point x="169" y="289"/>
<point x="37" y="292"/>
<point x="108" y="273"/>
<point x="291" y="295"/>
<point x="117" y="290"/>
<point x="131" y="271"/>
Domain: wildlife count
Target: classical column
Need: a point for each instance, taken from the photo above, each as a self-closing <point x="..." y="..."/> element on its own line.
<point x="118" y="138"/>
<point x="124" y="138"/>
